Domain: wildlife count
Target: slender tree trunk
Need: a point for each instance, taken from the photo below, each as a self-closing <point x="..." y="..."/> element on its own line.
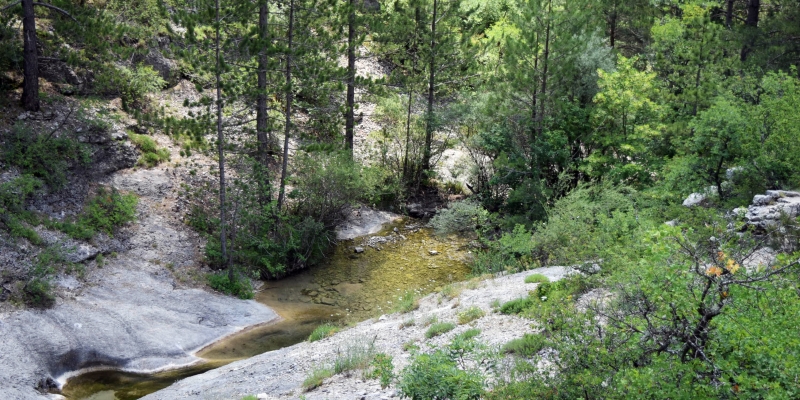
<point x="351" y="77"/>
<point x="30" y="85"/>
<point x="262" y="121"/>
<point x="751" y="27"/>
<point x="221" y="144"/>
<point x="408" y="136"/>
<point x="612" y="25"/>
<point x="426" y="152"/>
<point x="288" y="123"/>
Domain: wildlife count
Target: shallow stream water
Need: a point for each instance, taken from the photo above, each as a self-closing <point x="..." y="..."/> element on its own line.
<point x="346" y="288"/>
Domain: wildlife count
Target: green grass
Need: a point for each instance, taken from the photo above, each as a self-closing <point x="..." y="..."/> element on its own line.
<point x="316" y="377"/>
<point x="152" y="155"/>
<point x="322" y="331"/>
<point x="356" y="355"/>
<point x="439" y="328"/>
<point x="526" y="346"/>
<point x="536" y="278"/>
<point x="467" y="335"/>
<point x="407" y="303"/>
<point x="470" y="315"/>
<point x="240" y="287"/>
<point x="516" y="306"/>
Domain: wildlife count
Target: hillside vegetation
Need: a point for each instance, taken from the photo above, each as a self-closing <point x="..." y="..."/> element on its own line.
<point x="575" y="128"/>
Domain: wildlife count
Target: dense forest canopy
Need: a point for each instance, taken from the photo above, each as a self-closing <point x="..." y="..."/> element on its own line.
<point x="585" y="123"/>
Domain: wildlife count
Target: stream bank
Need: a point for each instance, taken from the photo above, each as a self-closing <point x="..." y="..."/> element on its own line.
<point x="349" y="287"/>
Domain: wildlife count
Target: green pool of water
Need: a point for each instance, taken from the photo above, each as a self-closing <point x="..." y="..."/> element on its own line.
<point x="348" y="287"/>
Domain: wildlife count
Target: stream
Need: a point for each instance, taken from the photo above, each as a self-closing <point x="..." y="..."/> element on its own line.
<point x="346" y="288"/>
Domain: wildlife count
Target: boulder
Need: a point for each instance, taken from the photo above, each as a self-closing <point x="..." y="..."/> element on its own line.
<point x="768" y="209"/>
<point x="167" y="68"/>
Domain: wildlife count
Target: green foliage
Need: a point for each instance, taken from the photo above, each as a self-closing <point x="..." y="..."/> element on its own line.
<point x="108" y="209"/>
<point x="48" y="158"/>
<point x="460" y="217"/>
<point x="152" y="155"/>
<point x="536" y="278"/>
<point x="516" y="306"/>
<point x="439" y="328"/>
<point x="133" y="84"/>
<point x="381" y="368"/>
<point x="443" y="374"/>
<point x="322" y="331"/>
<point x="357" y="354"/>
<point x="239" y="287"/>
<point x="13" y="195"/>
<point x="467" y="334"/>
<point x="470" y="315"/>
<point x="526" y="346"/>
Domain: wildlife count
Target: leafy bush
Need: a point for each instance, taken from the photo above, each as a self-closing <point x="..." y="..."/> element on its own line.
<point x="48" y="158"/>
<point x="322" y="331"/>
<point x="460" y="217"/>
<point x="439" y="328"/>
<point x="536" y="278"/>
<point x="109" y="209"/>
<point x="133" y="83"/>
<point x="152" y="155"/>
<point x="382" y="369"/>
<point x="526" y="346"/>
<point x="438" y="376"/>
<point x="467" y="334"/>
<point x="239" y="287"/>
<point x="516" y="306"/>
<point x="470" y="315"/>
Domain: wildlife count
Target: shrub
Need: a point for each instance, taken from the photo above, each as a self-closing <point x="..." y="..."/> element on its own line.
<point x="536" y="278"/>
<point x="470" y="315"/>
<point x="439" y="328"/>
<point x="152" y="155"/>
<point x="45" y="157"/>
<point x="460" y="217"/>
<point x="239" y="287"/>
<point x="322" y="331"/>
<point x="526" y="346"/>
<point x="381" y="368"/>
<point x="516" y="306"/>
<point x="108" y="210"/>
<point x="134" y="83"/>
<point x="437" y="376"/>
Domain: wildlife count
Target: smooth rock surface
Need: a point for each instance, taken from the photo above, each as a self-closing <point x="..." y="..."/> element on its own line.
<point x="364" y="221"/>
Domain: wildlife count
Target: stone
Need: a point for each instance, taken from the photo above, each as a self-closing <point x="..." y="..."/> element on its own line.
<point x="313" y="293"/>
<point x="327" y="301"/>
<point x="359" y="250"/>
<point x="768" y="209"/>
<point x="433" y="252"/>
<point x="694" y="199"/>
<point x="262" y="396"/>
<point x="166" y="68"/>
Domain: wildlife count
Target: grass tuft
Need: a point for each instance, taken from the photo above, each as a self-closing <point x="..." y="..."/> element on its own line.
<point x="439" y="328"/>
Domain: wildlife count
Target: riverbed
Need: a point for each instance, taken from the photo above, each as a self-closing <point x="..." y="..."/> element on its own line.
<point x="362" y="278"/>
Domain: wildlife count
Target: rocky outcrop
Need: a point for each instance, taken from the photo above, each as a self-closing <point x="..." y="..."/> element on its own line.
<point x="768" y="209"/>
<point x="166" y="68"/>
<point x="364" y="221"/>
<point x="279" y="374"/>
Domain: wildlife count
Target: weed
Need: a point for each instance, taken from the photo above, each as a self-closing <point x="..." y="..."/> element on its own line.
<point x="516" y="306"/>
<point x="108" y="210"/>
<point x="451" y="291"/>
<point x="410" y="345"/>
<point x="495" y="304"/>
<point x="356" y="355"/>
<point x="407" y="302"/>
<point x="439" y="328"/>
<point x="322" y="331"/>
<point x="467" y="335"/>
<point x="470" y="315"/>
<point x="430" y="320"/>
<point x="407" y="323"/>
<point x="317" y="376"/>
<point x="381" y="368"/>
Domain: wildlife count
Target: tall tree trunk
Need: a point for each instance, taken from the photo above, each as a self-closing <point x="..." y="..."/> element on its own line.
<point x="545" y="64"/>
<point x="262" y="121"/>
<point x="221" y="145"/>
<point x="729" y="14"/>
<point x="351" y="77"/>
<point x="612" y="26"/>
<point x="30" y="85"/>
<point x="751" y="27"/>
<point x="426" y="152"/>
<point x="288" y="123"/>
